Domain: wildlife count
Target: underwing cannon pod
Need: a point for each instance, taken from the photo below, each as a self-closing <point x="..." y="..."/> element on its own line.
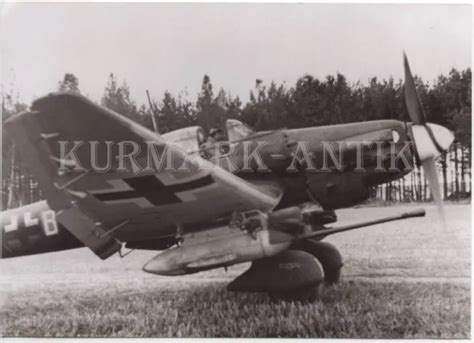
<point x="288" y="259"/>
<point x="222" y="246"/>
<point x="247" y="237"/>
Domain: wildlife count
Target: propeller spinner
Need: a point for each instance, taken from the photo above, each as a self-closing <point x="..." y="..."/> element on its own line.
<point x="430" y="139"/>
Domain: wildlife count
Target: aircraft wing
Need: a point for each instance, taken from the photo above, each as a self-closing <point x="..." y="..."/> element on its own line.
<point x="74" y="148"/>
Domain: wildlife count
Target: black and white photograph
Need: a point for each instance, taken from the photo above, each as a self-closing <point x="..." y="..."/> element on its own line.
<point x="236" y="170"/>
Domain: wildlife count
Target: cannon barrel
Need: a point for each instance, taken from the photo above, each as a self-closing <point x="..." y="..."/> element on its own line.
<point x="328" y="231"/>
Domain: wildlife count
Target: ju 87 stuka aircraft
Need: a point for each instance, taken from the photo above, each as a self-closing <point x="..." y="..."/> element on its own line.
<point x="267" y="197"/>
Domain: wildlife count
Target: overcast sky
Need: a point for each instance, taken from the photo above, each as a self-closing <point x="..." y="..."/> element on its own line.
<point x="171" y="46"/>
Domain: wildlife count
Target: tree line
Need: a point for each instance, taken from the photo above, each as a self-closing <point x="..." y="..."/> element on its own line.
<point x="309" y="102"/>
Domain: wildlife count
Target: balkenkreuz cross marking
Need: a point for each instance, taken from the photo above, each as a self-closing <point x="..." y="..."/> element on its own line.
<point x="153" y="190"/>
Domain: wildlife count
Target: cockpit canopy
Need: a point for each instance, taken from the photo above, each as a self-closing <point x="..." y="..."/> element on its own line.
<point x="237" y="130"/>
<point x="190" y="139"/>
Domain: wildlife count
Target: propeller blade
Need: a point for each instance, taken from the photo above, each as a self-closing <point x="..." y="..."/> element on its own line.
<point x="415" y="110"/>
<point x="429" y="166"/>
<point x="431" y="140"/>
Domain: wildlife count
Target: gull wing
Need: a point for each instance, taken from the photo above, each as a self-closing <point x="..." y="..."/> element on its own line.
<point x="82" y="155"/>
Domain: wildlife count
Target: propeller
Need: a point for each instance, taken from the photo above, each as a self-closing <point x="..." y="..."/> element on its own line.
<point x="430" y="140"/>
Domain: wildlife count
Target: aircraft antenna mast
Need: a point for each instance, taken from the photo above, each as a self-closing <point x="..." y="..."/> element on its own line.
<point x="153" y="112"/>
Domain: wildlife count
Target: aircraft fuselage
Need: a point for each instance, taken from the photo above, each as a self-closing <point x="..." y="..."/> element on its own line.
<point x="33" y="229"/>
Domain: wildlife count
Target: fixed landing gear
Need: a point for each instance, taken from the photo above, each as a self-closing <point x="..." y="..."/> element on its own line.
<point x="293" y="275"/>
<point x="327" y="254"/>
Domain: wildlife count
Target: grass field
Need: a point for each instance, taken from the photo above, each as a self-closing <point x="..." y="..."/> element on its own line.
<point x="404" y="279"/>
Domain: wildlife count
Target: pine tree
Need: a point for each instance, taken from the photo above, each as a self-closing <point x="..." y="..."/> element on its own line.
<point x="69" y="83"/>
<point x="117" y="98"/>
